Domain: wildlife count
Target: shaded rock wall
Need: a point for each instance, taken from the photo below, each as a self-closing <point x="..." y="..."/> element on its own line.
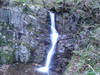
<point x="30" y="27"/>
<point x="29" y="32"/>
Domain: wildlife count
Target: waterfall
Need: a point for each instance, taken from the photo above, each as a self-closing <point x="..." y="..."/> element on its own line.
<point x="53" y="37"/>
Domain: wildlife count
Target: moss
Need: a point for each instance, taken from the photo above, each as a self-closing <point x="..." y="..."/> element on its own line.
<point x="69" y="65"/>
<point x="31" y="49"/>
<point x="6" y="55"/>
<point x="6" y="35"/>
<point x="96" y="34"/>
<point x="6" y="42"/>
<point x="30" y="28"/>
<point x="28" y="46"/>
<point x="86" y="60"/>
<point x="27" y="9"/>
<point x="19" y="0"/>
<point x="85" y="63"/>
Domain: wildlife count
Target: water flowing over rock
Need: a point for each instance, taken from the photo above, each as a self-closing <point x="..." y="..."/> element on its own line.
<point x="31" y="37"/>
<point x="64" y="50"/>
<point x="29" y="28"/>
<point x="53" y="37"/>
<point x="25" y="36"/>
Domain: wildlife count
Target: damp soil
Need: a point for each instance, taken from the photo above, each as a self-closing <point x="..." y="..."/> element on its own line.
<point x="23" y="69"/>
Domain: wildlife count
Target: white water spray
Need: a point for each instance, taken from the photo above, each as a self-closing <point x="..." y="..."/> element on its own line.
<point x="53" y="37"/>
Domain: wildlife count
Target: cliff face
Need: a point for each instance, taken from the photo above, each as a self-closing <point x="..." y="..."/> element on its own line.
<point x="25" y="32"/>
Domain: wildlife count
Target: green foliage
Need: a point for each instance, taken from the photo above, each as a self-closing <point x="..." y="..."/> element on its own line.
<point x="96" y="34"/>
<point x="28" y="46"/>
<point x="19" y="0"/>
<point x="5" y="35"/>
<point x="27" y="9"/>
<point x="6" y="41"/>
<point x="87" y="60"/>
<point x="92" y="73"/>
<point x="58" y="1"/>
<point x="6" y="55"/>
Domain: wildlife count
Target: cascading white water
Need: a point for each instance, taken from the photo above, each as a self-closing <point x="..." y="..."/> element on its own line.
<point x="53" y="37"/>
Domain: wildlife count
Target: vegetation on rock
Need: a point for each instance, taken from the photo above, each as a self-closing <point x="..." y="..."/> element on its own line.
<point x="24" y="34"/>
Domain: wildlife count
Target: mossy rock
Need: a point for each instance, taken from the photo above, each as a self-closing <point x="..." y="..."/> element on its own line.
<point x="6" y="55"/>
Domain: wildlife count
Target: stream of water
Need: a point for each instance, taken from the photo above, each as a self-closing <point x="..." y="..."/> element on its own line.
<point x="53" y="37"/>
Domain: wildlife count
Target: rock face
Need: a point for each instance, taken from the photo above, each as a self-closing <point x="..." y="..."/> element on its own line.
<point x="63" y="52"/>
<point x="4" y="15"/>
<point x="25" y="33"/>
<point x="29" y="32"/>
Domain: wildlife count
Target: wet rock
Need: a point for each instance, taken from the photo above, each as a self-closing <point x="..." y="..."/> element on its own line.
<point x="42" y="15"/>
<point x="32" y="33"/>
<point x="63" y="54"/>
<point x="59" y="23"/>
<point x="68" y="23"/>
<point x="54" y="73"/>
<point x="34" y="36"/>
<point x="42" y="50"/>
<point x="40" y="54"/>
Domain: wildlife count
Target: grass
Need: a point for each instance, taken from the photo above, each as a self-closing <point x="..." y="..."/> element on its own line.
<point x="86" y="61"/>
<point x="19" y="0"/>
